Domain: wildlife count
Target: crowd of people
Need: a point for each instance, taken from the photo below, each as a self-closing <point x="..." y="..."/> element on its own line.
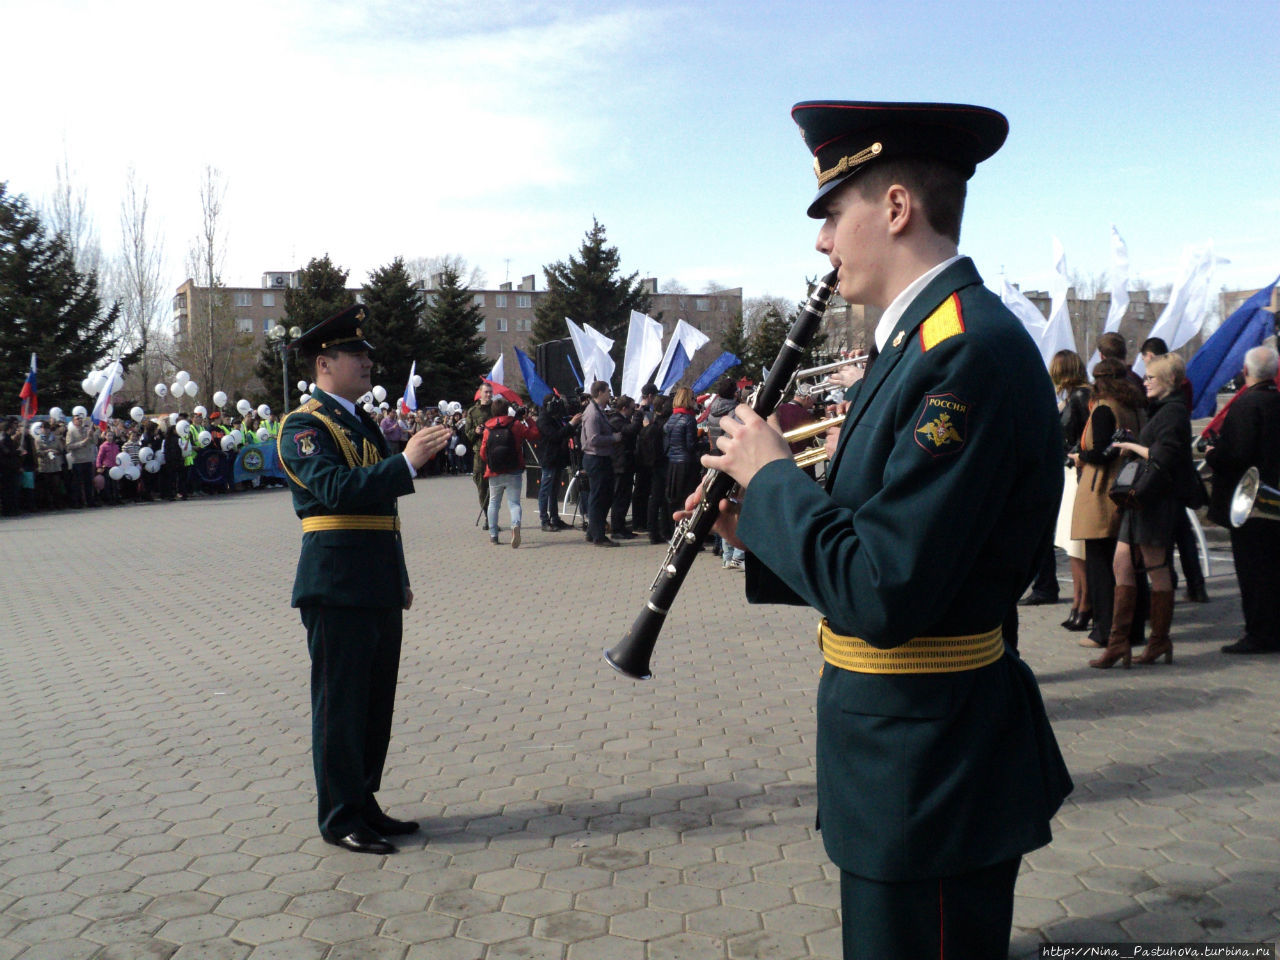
<point x="1130" y="480"/>
<point x="56" y="463"/>
<point x="632" y="462"/>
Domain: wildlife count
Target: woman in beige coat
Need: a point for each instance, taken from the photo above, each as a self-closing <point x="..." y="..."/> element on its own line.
<point x="1116" y="405"/>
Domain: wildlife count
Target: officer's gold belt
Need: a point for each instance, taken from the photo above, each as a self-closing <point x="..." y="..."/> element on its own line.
<point x="917" y="655"/>
<point x="349" y="521"/>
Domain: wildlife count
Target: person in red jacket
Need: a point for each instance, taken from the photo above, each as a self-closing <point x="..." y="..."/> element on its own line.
<point x="502" y="449"/>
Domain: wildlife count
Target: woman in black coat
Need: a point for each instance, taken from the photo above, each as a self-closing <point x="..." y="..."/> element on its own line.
<point x="1147" y="530"/>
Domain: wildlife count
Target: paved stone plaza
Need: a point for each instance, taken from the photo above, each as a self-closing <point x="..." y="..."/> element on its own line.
<point x="156" y="795"/>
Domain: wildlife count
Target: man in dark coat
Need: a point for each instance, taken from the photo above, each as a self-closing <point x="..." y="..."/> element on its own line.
<point x="937" y="769"/>
<point x="1250" y="437"/>
<point x="345" y="486"/>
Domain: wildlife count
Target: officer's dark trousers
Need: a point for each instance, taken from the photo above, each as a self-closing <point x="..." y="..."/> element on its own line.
<point x="965" y="917"/>
<point x="355" y="655"/>
<point x="1256" y="550"/>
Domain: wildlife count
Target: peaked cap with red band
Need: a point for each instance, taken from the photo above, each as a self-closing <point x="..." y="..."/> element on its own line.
<point x="845" y="135"/>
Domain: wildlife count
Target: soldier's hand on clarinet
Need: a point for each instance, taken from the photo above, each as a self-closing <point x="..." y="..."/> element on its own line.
<point x="726" y="521"/>
<point x="747" y="444"/>
<point x="425" y="444"/>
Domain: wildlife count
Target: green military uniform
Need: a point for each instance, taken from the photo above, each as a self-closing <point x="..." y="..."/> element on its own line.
<point x="350" y="587"/>
<point x="935" y="759"/>
<point x="475" y="420"/>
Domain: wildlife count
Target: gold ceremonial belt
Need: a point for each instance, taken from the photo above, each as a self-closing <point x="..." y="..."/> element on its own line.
<point x="349" y="522"/>
<point x="917" y="655"/>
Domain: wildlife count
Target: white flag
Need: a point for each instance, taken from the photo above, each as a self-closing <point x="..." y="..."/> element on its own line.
<point x="102" y="407"/>
<point x="1119" y="289"/>
<point x="644" y="353"/>
<point x="1022" y="308"/>
<point x="1188" y="304"/>
<point x="604" y="363"/>
<point x="689" y="337"/>
<point x="1057" y="333"/>
<point x="595" y="364"/>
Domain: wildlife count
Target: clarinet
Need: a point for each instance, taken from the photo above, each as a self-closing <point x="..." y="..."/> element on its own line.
<point x="631" y="655"/>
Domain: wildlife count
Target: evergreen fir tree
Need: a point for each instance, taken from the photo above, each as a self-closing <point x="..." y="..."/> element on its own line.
<point x="455" y="358"/>
<point x="587" y="289"/>
<point x="49" y="308"/>
<point x="395" y="325"/>
<point x="321" y="292"/>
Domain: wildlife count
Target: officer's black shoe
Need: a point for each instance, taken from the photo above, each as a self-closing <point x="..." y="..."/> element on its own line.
<point x="362" y="840"/>
<point x="1250" y="645"/>
<point x="390" y="826"/>
<point x="1036" y="600"/>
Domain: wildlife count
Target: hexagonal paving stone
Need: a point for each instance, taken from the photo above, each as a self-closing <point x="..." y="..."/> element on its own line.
<point x="798" y="919"/>
<point x="646" y="924"/>
<point x="723" y="922"/>
<point x="570" y="926"/>
<point x="494" y="927"/>
<point x="768" y="946"/>
<point x="257" y="930"/>
<point x="341" y="927"/>
<point x="503" y="882"/>
<point x="685" y="946"/>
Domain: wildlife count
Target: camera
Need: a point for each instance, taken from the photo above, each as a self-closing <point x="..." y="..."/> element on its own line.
<point x="1123" y="436"/>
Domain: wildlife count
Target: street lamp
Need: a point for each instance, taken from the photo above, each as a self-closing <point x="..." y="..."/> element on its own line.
<point x="282" y="338"/>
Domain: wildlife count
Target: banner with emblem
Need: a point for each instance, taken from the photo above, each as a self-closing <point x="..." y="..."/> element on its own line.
<point x="258" y="460"/>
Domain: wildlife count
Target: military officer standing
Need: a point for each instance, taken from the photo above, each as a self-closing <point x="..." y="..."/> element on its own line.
<point x="937" y="769"/>
<point x="344" y="487"/>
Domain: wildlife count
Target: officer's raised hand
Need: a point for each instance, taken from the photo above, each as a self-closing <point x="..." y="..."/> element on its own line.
<point x="425" y="444"/>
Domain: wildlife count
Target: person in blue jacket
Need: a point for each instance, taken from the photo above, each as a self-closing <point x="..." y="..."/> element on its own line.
<point x="937" y="768"/>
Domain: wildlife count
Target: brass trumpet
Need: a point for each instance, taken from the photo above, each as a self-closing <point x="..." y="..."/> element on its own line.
<point x="826" y="383"/>
<point x="812" y="456"/>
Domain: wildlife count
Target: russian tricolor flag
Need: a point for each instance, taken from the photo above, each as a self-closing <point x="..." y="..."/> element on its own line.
<point x="30" y="406"/>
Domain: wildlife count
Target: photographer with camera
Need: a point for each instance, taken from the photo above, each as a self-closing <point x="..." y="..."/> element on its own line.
<point x="502" y="450"/>
<point x="555" y="430"/>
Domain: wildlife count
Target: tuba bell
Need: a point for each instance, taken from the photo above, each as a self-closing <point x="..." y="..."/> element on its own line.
<point x="1253" y="498"/>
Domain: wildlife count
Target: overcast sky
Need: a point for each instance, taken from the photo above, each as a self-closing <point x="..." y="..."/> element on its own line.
<point x="497" y="130"/>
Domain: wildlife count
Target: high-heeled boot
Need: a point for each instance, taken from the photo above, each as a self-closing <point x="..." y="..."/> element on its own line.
<point x="1158" y="643"/>
<point x="1121" y="620"/>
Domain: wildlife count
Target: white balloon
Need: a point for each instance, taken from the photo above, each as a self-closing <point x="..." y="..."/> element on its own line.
<point x="182" y="377"/>
<point x="191" y="388"/>
<point x="228" y="443"/>
<point x="200" y="409"/>
<point x="219" y="399"/>
<point x="263" y="434"/>
<point x="204" y="437"/>
<point x="417" y="379"/>
<point x="161" y="390"/>
<point x="136" y="414"/>
<point x="79" y="412"/>
<point x="383" y="406"/>
<point x="365" y="398"/>
<point x="173" y="418"/>
<point x="379" y="393"/>
<point x="115" y="473"/>
<point x="176" y="389"/>
<point x="311" y="388"/>
<point x="243" y="406"/>
<point x="264" y="411"/>
<point x="133" y="473"/>
<point x="237" y="436"/>
<point x="303" y="398"/>
<point x="443" y="406"/>
<point x="460" y="450"/>
<point x="302" y="386"/>
<point x="123" y="459"/>
<point x="145" y="454"/>
<point x="96" y="379"/>
<point x="117" y="383"/>
<point x="369" y="408"/>
<point x="159" y="457"/>
<point x="152" y="466"/>
<point x="455" y="407"/>
<point x="55" y="413"/>
<point x="184" y="426"/>
<point x="87" y="386"/>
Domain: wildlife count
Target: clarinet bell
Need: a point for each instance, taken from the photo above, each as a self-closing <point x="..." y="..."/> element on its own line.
<point x="630" y="657"/>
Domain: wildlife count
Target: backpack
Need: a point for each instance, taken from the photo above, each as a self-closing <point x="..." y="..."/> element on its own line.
<point x="500" y="452"/>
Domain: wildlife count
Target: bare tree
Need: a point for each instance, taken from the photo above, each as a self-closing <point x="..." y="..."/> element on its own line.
<point x="68" y="214"/>
<point x="757" y="309"/>
<point x="714" y="286"/>
<point x="674" y="286"/>
<point x="424" y="270"/>
<point x="139" y="277"/>
<point x="208" y="339"/>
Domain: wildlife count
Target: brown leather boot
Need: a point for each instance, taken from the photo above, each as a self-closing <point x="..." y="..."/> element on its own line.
<point x="1158" y="643"/>
<point x="1121" y="620"/>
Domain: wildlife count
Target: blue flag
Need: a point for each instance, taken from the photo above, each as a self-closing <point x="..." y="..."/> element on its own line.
<point x="1222" y="355"/>
<point x="679" y="364"/>
<point x="538" y="388"/>
<point x="710" y="375"/>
